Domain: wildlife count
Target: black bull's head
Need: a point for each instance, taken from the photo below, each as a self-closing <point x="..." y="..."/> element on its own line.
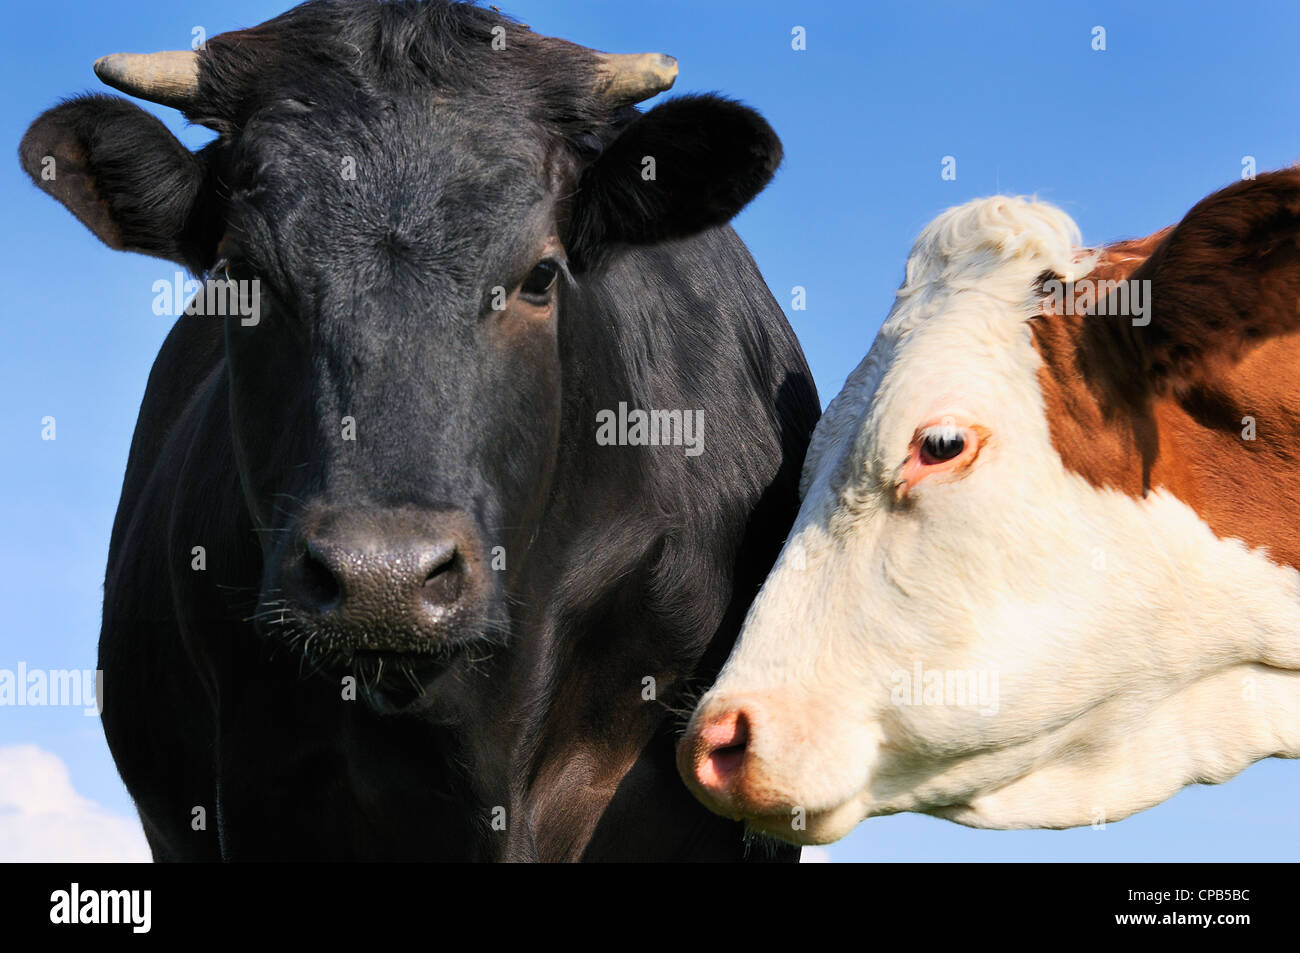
<point x="410" y="206"/>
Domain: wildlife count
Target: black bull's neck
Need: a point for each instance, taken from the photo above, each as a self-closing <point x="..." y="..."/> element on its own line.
<point x="552" y="748"/>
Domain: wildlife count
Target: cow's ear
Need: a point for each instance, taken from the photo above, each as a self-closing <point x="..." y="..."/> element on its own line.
<point x="687" y="165"/>
<point x="1226" y="278"/>
<point x="120" y="171"/>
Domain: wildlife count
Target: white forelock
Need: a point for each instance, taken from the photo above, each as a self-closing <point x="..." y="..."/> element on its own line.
<point x="989" y="245"/>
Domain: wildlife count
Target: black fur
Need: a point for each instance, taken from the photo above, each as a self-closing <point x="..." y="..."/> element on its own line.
<point x="624" y="563"/>
<point x="121" y="172"/>
<point x="710" y="158"/>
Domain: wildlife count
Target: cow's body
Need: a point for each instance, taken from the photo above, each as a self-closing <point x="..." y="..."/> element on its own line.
<point x="1045" y="571"/>
<point x="639" y="571"/>
<point x="376" y="589"/>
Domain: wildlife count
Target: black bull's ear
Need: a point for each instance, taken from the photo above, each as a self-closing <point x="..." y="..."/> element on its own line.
<point x="687" y="165"/>
<point x="121" y="172"/>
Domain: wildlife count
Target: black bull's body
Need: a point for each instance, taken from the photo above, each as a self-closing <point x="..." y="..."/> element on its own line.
<point x="527" y="707"/>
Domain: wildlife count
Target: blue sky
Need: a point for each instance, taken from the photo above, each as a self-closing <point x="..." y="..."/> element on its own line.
<point x="1126" y="140"/>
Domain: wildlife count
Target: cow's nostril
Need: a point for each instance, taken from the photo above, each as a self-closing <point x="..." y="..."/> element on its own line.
<point x="445" y="581"/>
<point x="318" y="583"/>
<point x="723" y="743"/>
<point x="725" y="763"/>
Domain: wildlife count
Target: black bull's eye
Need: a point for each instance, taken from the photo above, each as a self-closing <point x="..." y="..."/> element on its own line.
<point x="540" y="280"/>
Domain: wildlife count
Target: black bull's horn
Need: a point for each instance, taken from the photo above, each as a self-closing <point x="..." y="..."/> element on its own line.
<point x="632" y="77"/>
<point x="172" y="76"/>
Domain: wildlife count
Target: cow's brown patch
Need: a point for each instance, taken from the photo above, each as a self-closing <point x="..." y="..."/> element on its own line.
<point x="1170" y="405"/>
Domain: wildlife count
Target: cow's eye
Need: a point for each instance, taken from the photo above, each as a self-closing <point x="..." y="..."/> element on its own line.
<point x="540" y="281"/>
<point x="943" y="448"/>
<point x="231" y="269"/>
<point x="941" y="445"/>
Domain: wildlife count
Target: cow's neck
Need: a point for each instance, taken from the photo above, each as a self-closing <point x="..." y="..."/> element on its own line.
<point x="1230" y="450"/>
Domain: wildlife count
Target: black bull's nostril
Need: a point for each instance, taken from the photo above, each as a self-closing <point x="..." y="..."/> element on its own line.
<point x="445" y="580"/>
<point x="318" y="586"/>
<point x="388" y="580"/>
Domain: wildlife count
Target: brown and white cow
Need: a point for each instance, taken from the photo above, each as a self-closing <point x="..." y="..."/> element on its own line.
<point x="1045" y="570"/>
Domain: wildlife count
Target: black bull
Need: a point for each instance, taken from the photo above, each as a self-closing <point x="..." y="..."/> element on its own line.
<point x="375" y="589"/>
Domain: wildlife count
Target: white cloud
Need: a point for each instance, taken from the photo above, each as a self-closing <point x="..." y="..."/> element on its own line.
<point x="43" y="819"/>
<point x="815" y="855"/>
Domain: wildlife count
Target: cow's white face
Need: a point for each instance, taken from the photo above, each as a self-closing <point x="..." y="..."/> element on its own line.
<point x="961" y="626"/>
